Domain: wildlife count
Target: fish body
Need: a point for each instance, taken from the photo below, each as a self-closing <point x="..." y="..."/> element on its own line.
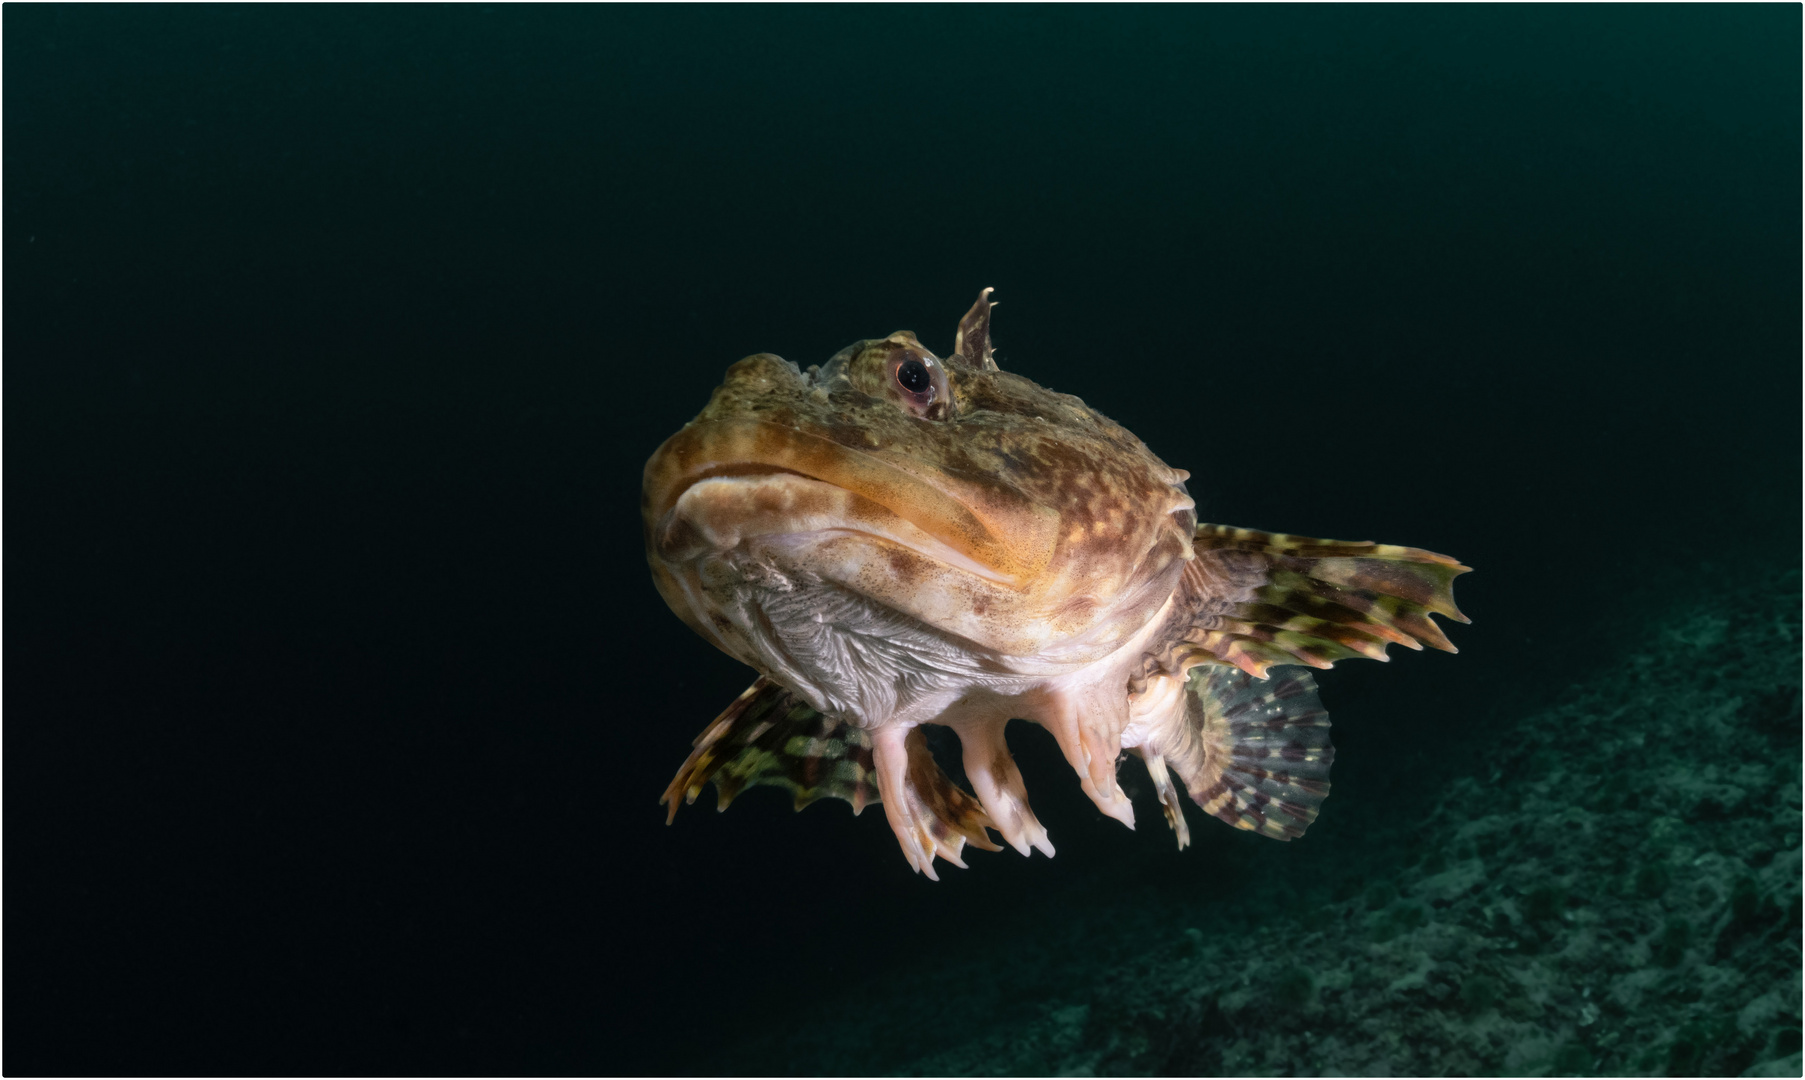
<point x="891" y="540"/>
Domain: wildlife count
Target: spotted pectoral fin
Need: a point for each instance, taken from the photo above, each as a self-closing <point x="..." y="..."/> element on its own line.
<point x="771" y="736"/>
<point x="1255" y="599"/>
<point x="1252" y="752"/>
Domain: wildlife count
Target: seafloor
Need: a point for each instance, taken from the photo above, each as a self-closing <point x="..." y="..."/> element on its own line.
<point x="1615" y="892"/>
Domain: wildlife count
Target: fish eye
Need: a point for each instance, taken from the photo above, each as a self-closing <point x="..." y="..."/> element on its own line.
<point x="898" y="370"/>
<point x="913" y="376"/>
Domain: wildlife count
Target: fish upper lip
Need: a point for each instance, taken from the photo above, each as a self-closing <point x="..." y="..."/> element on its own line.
<point x="976" y="525"/>
<point x="729" y="511"/>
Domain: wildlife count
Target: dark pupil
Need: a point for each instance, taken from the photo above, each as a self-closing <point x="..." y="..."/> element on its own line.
<point x="913" y="374"/>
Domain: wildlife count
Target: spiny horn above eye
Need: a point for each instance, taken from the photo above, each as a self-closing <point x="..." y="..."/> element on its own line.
<point x="972" y="345"/>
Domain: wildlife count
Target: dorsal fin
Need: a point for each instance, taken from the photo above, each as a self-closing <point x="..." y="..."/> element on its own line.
<point x="972" y="345"/>
<point x="1253" y="599"/>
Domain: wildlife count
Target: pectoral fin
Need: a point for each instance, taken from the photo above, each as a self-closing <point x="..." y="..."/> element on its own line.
<point x="771" y="736"/>
<point x="1252" y="752"/>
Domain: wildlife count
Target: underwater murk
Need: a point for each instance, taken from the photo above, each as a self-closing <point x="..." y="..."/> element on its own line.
<point x="454" y="451"/>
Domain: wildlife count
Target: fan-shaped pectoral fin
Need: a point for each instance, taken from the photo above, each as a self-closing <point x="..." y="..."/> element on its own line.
<point x="769" y="736"/>
<point x="1256" y="753"/>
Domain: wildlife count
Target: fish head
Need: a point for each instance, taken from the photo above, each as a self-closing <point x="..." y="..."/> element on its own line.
<point x="891" y="493"/>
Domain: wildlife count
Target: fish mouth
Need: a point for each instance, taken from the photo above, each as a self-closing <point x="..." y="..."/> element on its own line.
<point x="715" y="484"/>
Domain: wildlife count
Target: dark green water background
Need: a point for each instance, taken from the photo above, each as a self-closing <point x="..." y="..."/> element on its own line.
<point x="338" y="699"/>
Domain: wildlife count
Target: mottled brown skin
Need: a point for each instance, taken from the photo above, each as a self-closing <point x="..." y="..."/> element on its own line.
<point x="891" y="539"/>
<point x="1069" y="508"/>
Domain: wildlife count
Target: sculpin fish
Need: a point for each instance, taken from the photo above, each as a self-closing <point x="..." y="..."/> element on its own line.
<point x="894" y="540"/>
